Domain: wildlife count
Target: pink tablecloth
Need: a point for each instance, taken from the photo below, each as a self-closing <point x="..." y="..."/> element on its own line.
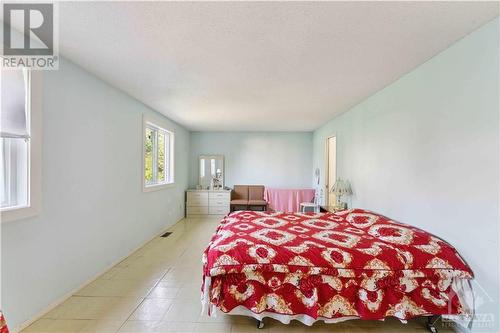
<point x="287" y="200"/>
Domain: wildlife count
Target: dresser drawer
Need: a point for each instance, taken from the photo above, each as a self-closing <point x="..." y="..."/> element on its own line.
<point x="197" y="198"/>
<point x="218" y="203"/>
<point x="202" y="210"/>
<point x="219" y="196"/>
<point x="223" y="210"/>
<point x="197" y="202"/>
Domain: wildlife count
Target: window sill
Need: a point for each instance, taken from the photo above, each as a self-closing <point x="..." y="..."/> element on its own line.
<point x="157" y="187"/>
<point x="11" y="208"/>
<point x="18" y="213"/>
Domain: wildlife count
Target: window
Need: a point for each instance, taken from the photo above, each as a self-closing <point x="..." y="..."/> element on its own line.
<point x="15" y="139"/>
<point x="14" y="173"/>
<point x="20" y="144"/>
<point x="158" y="156"/>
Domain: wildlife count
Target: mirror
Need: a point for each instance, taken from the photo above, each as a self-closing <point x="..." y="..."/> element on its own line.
<point x="211" y="172"/>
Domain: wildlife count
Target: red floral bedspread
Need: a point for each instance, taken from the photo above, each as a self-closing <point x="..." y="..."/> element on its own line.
<point x="3" y="324"/>
<point x="353" y="263"/>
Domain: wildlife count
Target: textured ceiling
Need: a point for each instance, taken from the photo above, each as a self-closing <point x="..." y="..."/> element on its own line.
<point x="281" y="66"/>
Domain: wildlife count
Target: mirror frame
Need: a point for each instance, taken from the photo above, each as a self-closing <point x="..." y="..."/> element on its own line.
<point x="208" y="157"/>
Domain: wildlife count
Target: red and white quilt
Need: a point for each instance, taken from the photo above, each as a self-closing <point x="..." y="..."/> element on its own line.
<point x="331" y="267"/>
<point x="3" y="324"/>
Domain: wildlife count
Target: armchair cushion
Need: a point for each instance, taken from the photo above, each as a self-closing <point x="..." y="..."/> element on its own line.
<point x="257" y="202"/>
<point x="239" y="202"/>
<point x="256" y="192"/>
<point x="240" y="192"/>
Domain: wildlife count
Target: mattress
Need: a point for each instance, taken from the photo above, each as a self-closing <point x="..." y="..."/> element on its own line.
<point x="331" y="267"/>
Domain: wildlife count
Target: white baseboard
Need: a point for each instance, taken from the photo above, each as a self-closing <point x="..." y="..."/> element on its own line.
<point x="60" y="300"/>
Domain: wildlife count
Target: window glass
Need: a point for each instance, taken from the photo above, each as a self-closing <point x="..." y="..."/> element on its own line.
<point x="14" y="172"/>
<point x="158" y="156"/>
<point x="148" y="157"/>
<point x="161" y="157"/>
<point x="15" y="139"/>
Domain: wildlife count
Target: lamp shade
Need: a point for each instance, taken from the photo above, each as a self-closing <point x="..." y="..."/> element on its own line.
<point x="341" y="188"/>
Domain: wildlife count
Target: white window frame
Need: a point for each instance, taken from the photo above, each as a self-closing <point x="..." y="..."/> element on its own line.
<point x="158" y="124"/>
<point x="34" y="120"/>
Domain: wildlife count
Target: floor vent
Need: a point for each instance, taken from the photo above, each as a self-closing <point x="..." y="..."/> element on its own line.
<point x="166" y="234"/>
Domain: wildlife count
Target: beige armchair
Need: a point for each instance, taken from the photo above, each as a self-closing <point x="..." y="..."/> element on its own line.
<point x="248" y="196"/>
<point x="256" y="197"/>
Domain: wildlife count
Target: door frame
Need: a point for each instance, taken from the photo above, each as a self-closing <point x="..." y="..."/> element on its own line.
<point x="327" y="166"/>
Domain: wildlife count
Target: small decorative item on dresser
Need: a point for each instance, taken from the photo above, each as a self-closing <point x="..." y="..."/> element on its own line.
<point x="217" y="180"/>
<point x="341" y="188"/>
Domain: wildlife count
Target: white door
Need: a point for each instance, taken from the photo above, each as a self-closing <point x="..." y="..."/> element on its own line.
<point x="331" y="167"/>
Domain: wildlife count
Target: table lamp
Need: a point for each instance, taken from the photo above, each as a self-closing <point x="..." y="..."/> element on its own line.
<point x="341" y="188"/>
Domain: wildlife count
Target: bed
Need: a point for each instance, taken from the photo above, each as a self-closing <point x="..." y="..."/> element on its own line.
<point x="332" y="267"/>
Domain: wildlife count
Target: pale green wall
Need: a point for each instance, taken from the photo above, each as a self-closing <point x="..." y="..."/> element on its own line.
<point x="425" y="151"/>
<point x="273" y="159"/>
<point x="93" y="209"/>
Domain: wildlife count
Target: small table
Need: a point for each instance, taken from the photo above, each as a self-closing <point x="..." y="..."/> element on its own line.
<point x="287" y="200"/>
<point x="305" y="205"/>
<point x="330" y="209"/>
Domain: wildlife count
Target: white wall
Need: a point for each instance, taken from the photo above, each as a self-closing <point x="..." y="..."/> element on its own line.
<point x="425" y="151"/>
<point x="273" y="159"/>
<point x="93" y="208"/>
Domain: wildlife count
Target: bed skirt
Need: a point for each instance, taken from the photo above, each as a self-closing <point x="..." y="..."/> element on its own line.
<point x="461" y="288"/>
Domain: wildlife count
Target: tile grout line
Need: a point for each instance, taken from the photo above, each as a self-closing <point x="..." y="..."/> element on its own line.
<point x="145" y="297"/>
<point x="175" y="242"/>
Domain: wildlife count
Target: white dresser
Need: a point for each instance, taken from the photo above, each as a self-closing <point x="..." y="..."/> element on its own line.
<point x="207" y="202"/>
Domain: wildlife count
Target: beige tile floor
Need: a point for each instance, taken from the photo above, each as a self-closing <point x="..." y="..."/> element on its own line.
<point x="157" y="289"/>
